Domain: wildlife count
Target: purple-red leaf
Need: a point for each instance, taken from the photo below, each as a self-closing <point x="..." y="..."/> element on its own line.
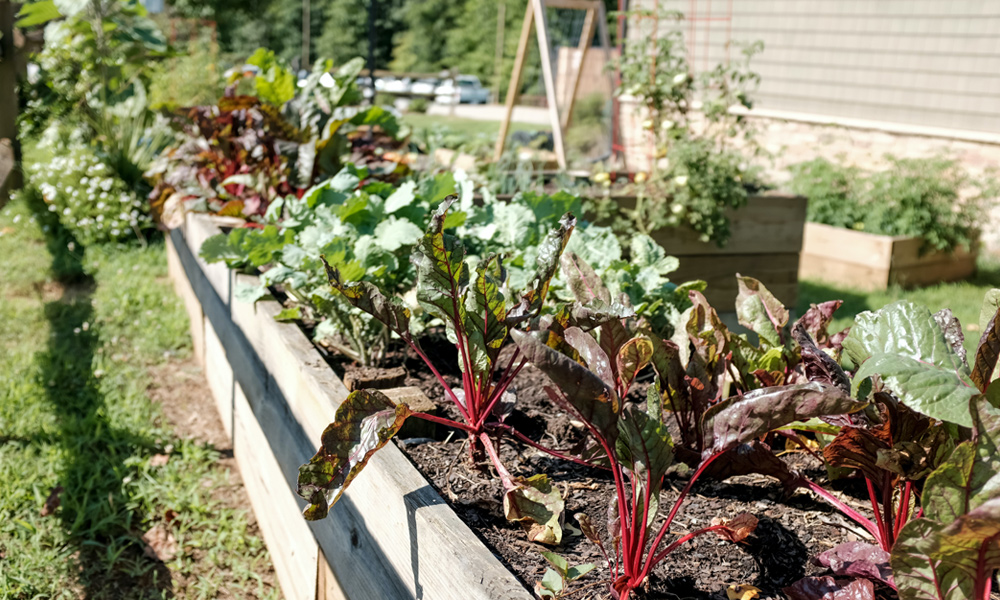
<point x="987" y="354"/>
<point x="740" y="419"/>
<point x="828" y="588"/>
<point x="857" y="559"/>
<point x="583" y="280"/>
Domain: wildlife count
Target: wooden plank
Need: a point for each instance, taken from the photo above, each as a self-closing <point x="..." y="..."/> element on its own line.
<point x="778" y="272"/>
<point x="768" y="224"/>
<point x="946" y="268"/>
<point x="573" y="4"/>
<point x="221" y="381"/>
<point x="198" y="228"/>
<point x="182" y="287"/>
<point x="327" y="586"/>
<point x="848" y="245"/>
<point x="909" y="251"/>
<point x="291" y="545"/>
<point x="831" y="270"/>
<point x="586" y="37"/>
<point x="513" y="90"/>
<point x="545" y="55"/>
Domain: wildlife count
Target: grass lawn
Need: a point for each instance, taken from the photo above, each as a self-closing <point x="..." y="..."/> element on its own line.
<point x="469" y="127"/>
<point x="88" y="464"/>
<point x="963" y="298"/>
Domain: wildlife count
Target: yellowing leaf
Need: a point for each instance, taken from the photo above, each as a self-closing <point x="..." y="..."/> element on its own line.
<point x="742" y="591"/>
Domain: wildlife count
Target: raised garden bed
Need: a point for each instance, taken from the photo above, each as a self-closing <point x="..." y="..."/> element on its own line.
<point x="765" y="244"/>
<point x="394" y="536"/>
<point x="866" y="261"/>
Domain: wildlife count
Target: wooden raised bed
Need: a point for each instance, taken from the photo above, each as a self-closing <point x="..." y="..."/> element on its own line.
<point x="765" y="243"/>
<point x="391" y="535"/>
<point x="866" y="261"/>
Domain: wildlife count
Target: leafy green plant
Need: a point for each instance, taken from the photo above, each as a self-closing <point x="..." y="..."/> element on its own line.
<point x="932" y="198"/>
<point x="418" y="105"/>
<point x="558" y="577"/>
<point x="480" y="313"/>
<point x="697" y="173"/>
<point x="636" y="444"/>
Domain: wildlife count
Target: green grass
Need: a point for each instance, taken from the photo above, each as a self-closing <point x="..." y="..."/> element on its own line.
<point x="469" y="127"/>
<point x="963" y="298"/>
<point x="79" y="335"/>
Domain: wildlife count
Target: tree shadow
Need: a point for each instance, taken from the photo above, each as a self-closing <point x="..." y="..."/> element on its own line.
<point x="96" y="513"/>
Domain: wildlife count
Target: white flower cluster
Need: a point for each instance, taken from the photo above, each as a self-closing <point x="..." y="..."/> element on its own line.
<point x="91" y="200"/>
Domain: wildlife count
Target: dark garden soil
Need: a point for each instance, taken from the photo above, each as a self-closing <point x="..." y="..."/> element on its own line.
<point x="791" y="529"/>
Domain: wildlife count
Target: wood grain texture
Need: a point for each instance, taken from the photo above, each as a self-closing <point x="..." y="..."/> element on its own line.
<point x="182" y="287"/>
<point x="391" y="535"/>
<point x="778" y="272"/>
<point x="867" y="262"/>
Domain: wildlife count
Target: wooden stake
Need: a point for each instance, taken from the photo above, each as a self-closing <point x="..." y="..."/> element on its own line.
<point x="10" y="155"/>
<point x="586" y="37"/>
<point x="542" y="32"/>
<point x="513" y="91"/>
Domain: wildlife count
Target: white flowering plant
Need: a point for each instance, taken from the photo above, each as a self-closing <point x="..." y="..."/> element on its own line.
<point x="92" y="201"/>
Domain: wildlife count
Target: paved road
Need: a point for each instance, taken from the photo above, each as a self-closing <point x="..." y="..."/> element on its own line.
<point x="492" y="112"/>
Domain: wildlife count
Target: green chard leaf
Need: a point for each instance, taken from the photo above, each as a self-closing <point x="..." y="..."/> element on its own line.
<point x="988" y="351"/>
<point x="365" y="422"/>
<point x="906" y="347"/>
<point x="583" y="281"/>
<point x="442" y="275"/>
<point x="486" y="314"/>
<point x="590" y="351"/>
<point x="549" y="253"/>
<point x="644" y="448"/>
<point x="759" y="311"/>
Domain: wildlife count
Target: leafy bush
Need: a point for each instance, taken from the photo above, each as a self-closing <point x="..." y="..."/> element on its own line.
<point x="698" y="172"/>
<point x="419" y="105"/>
<point x="933" y="198"/>
<point x="91" y="200"/>
<point x="193" y="78"/>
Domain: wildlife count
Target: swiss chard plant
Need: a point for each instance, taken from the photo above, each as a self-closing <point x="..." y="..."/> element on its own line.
<point x="591" y="383"/>
<point x="479" y="313"/>
<point x="930" y="498"/>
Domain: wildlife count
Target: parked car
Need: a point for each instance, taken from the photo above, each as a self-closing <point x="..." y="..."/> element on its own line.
<point x="396" y="86"/>
<point x="424" y="87"/>
<point x="467" y="91"/>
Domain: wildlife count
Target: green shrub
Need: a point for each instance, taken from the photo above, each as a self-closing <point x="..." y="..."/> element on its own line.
<point x="932" y="198"/>
<point x="384" y="99"/>
<point x="419" y="105"/>
<point x="190" y="79"/>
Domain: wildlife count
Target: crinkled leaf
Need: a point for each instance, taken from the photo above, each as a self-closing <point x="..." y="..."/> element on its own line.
<point x="759" y="311"/>
<point x="935" y="561"/>
<point x="441" y="270"/>
<point x="596" y="313"/>
<point x="365" y="422"/>
<point x="857" y="448"/>
<point x="289" y="314"/>
<point x="583" y="280"/>
<point x="952" y="330"/>
<point x="940" y="392"/>
<point x="367" y="297"/>
<point x="818" y="365"/>
<point x="828" y="588"/>
<point x="971" y="475"/>
<point x="632" y="358"/>
<point x="217" y="248"/>
<point x="587" y="527"/>
<point x="988" y="351"/>
<point x="857" y="559"/>
<point x="816" y="321"/>
<point x="549" y="252"/>
<point x="590" y="351"/>
<point x="486" y="314"/>
<point x="401" y="198"/>
<point x="745" y="459"/>
<point x="394" y="233"/>
<point x="741" y="419"/>
<point x="593" y="399"/>
<point x="537" y="506"/>
<point x="736" y="529"/>
<point x="250" y="294"/>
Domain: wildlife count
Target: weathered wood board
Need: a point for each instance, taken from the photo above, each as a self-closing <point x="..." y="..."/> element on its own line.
<point x="391" y="535"/>
<point x="866" y="261"/>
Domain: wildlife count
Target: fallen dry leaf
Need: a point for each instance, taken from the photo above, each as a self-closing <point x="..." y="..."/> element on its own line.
<point x="160" y="544"/>
<point x="53" y="501"/>
<point x="169" y="516"/>
<point x="159" y="460"/>
<point x="736" y="529"/>
<point x="742" y="591"/>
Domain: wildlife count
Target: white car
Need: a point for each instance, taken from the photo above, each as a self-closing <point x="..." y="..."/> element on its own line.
<point x="424" y="87"/>
<point x="468" y="91"/>
<point x="397" y="86"/>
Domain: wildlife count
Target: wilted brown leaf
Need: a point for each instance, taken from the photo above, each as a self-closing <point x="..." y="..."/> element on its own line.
<point x="52" y="502"/>
<point x="159" y="460"/>
<point x="160" y="544"/>
<point x="736" y="529"/>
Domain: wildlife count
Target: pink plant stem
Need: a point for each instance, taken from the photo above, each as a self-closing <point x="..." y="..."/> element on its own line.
<point x="872" y="497"/>
<point x="674" y="545"/>
<point x="890" y="527"/>
<point x="505" y="476"/>
<point x="443" y="421"/>
<point x="984" y="576"/>
<point x="525" y="439"/>
<point x="904" y="509"/>
<point x="839" y="505"/>
<point x="673" y="512"/>
<point x="440" y="379"/>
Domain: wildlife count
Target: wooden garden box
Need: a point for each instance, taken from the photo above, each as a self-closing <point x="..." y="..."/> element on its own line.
<point x="866" y="261"/>
<point x="391" y="536"/>
<point x="765" y="243"/>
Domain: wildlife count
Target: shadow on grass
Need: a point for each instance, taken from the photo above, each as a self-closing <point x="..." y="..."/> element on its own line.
<point x="95" y="511"/>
